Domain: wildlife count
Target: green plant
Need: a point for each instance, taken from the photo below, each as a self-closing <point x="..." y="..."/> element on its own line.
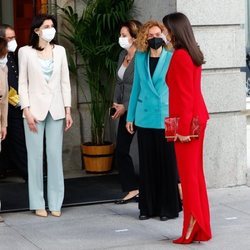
<point x="94" y="35"/>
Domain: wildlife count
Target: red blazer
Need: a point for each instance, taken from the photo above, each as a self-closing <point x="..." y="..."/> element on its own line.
<point x="185" y="97"/>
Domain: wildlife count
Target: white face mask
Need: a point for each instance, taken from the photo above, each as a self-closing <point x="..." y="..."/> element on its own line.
<point x="48" y="34"/>
<point x="164" y="38"/>
<point x="3" y="61"/>
<point x="124" y="43"/>
<point x="12" y="45"/>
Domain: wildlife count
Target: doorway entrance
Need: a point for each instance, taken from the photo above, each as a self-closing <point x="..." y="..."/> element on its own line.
<point x="19" y="14"/>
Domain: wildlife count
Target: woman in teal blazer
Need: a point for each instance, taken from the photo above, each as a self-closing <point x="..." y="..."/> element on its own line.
<point x="148" y="106"/>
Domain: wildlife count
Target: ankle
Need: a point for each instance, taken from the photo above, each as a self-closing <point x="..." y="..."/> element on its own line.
<point x="190" y="228"/>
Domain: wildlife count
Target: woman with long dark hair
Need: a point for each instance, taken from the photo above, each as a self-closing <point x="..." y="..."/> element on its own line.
<point x="186" y="101"/>
<point x="45" y="97"/>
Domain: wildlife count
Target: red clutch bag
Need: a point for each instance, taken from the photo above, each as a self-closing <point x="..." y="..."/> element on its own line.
<point x="171" y="128"/>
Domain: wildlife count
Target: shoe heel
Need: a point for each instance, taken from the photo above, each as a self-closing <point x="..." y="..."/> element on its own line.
<point x="190" y="239"/>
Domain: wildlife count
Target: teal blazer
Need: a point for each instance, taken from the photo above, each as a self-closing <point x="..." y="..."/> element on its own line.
<point x="148" y="104"/>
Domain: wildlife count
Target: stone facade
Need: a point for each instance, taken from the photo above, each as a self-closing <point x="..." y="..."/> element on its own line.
<point x="222" y="38"/>
<point x="219" y="29"/>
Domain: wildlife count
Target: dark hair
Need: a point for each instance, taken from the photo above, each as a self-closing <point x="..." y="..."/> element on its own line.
<point x="3" y="28"/>
<point x="133" y="27"/>
<point x="182" y="36"/>
<point x="37" y="22"/>
<point x="3" y="47"/>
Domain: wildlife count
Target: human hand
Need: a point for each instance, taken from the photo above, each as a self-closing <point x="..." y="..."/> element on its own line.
<point x="68" y="121"/>
<point x="182" y="138"/>
<point x="3" y="133"/>
<point x="120" y="110"/>
<point x="130" y="127"/>
<point x="31" y="121"/>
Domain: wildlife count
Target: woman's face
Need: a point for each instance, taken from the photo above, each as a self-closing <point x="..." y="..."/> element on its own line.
<point x="124" y="32"/>
<point x="46" y="25"/>
<point x="46" y="32"/>
<point x="154" y="31"/>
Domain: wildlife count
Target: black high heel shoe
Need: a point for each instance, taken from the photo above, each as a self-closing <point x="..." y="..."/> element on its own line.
<point x="122" y="201"/>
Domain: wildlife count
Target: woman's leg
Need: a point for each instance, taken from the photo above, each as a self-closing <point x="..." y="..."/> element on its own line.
<point x="123" y="159"/>
<point x="167" y="193"/>
<point x="147" y="173"/>
<point x="195" y="202"/>
<point x="34" y="144"/>
<point x="54" y="139"/>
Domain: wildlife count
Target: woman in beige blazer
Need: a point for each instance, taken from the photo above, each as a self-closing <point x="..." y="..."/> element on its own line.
<point x="45" y="97"/>
<point x="3" y="92"/>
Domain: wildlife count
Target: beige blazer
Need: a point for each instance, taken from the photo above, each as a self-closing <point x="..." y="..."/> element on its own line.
<point x="38" y="94"/>
<point x="3" y="97"/>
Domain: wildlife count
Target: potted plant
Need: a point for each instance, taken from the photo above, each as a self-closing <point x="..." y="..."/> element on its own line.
<point x="94" y="35"/>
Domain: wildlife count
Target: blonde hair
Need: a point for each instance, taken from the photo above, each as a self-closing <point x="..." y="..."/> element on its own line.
<point x="142" y="38"/>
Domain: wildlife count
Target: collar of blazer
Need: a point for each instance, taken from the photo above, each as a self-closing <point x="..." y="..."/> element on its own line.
<point x="130" y="68"/>
<point x="56" y="63"/>
<point x="160" y="70"/>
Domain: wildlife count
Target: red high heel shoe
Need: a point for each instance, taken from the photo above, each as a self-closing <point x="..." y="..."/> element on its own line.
<point x="191" y="238"/>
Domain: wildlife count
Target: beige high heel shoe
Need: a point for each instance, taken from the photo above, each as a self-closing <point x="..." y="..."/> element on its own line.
<point x="41" y="213"/>
<point x="56" y="213"/>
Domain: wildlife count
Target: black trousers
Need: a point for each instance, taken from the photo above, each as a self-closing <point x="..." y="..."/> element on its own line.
<point x="128" y="178"/>
<point x="158" y="184"/>
<point x="14" y="153"/>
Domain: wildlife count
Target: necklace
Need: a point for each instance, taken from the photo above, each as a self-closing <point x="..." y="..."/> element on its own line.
<point x="128" y="59"/>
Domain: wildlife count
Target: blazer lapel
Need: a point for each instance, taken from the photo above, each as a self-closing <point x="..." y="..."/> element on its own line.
<point x="161" y="69"/>
<point x="129" y="69"/>
<point x="39" y="68"/>
<point x="56" y="58"/>
<point x="160" y="66"/>
<point x="55" y="64"/>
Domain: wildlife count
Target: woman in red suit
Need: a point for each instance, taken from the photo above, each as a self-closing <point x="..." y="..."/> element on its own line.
<point x="186" y="101"/>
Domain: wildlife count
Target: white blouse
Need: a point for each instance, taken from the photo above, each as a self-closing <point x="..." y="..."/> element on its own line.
<point x="47" y="66"/>
<point x="121" y="71"/>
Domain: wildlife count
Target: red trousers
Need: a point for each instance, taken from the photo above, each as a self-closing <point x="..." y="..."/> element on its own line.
<point x="195" y="201"/>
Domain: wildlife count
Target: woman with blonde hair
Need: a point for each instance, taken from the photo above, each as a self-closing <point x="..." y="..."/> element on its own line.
<point x="148" y="106"/>
<point x="3" y="92"/>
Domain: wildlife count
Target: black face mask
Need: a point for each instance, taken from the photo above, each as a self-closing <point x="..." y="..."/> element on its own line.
<point x="155" y="43"/>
